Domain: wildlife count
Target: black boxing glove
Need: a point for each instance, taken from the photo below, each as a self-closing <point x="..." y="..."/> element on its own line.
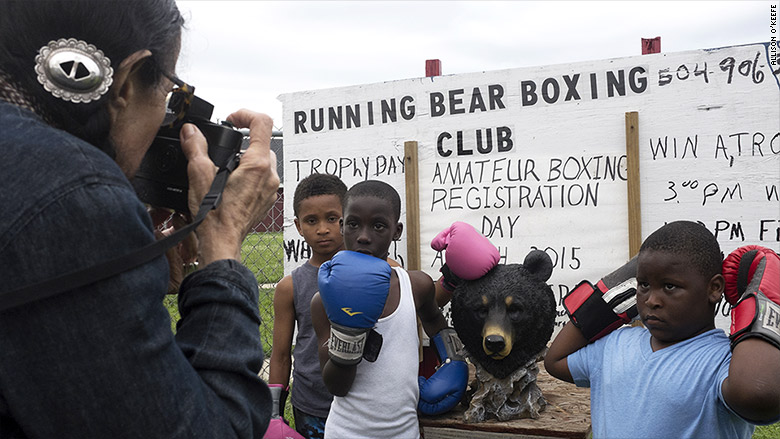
<point x="599" y="309"/>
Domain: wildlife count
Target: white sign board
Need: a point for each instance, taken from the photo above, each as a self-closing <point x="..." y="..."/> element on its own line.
<point x="536" y="157"/>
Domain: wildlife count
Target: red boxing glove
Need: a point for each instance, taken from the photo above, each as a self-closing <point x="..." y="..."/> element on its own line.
<point x="752" y="275"/>
<point x="468" y="254"/>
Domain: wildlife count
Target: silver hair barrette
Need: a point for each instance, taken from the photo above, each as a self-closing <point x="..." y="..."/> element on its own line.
<point x="73" y="70"/>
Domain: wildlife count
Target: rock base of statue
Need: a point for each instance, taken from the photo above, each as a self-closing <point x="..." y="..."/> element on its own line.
<point x="514" y="397"/>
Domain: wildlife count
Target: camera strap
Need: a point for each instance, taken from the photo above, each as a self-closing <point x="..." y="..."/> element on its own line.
<point x="104" y="270"/>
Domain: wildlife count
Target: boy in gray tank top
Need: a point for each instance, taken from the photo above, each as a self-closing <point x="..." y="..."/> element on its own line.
<point x="317" y="206"/>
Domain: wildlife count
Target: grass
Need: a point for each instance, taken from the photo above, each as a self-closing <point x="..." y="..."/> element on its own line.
<point x="767" y="431"/>
<point x="263" y="253"/>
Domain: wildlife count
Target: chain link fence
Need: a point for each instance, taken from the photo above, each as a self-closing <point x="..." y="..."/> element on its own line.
<point x="263" y="253"/>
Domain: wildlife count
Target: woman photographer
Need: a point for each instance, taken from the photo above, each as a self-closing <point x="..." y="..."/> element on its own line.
<point x="83" y="86"/>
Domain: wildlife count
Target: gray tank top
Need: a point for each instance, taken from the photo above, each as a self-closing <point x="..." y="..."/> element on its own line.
<point x="308" y="393"/>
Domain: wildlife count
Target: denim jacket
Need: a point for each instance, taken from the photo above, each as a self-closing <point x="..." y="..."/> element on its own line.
<point x="101" y="361"/>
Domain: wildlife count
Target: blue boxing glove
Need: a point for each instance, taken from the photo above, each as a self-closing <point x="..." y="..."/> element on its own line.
<point x="445" y="388"/>
<point x="353" y="289"/>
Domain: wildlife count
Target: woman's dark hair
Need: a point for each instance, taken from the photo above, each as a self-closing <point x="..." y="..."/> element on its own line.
<point x="117" y="28"/>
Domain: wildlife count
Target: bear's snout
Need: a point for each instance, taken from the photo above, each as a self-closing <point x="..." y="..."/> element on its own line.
<point x="496" y="342"/>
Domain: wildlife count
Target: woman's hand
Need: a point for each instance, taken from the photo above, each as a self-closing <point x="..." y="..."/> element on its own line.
<point x="249" y="193"/>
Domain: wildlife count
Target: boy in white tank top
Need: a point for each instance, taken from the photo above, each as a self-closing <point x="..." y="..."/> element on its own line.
<point x="361" y="296"/>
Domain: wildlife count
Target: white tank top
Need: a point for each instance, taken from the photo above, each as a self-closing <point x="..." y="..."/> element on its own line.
<point x="382" y="402"/>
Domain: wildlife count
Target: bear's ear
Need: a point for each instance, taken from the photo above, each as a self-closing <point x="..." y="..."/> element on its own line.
<point x="539" y="265"/>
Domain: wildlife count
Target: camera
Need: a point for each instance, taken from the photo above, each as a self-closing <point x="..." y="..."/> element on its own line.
<point x="161" y="180"/>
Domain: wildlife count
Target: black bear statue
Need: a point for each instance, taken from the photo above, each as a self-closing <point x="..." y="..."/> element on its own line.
<point x="505" y="320"/>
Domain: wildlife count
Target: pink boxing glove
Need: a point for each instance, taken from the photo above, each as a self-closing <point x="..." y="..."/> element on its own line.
<point x="278" y="428"/>
<point x="468" y="255"/>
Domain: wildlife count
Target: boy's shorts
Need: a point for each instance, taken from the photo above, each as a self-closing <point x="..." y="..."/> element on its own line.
<point x="309" y="426"/>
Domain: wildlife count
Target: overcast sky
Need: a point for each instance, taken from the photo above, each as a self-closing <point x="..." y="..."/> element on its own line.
<point x="246" y="53"/>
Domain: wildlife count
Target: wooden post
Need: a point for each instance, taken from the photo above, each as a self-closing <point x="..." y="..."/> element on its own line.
<point x="634" y="206"/>
<point x="412" y="207"/>
<point x="413" y="258"/>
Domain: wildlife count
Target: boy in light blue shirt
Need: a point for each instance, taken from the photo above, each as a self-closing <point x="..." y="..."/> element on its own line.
<point x="678" y="376"/>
